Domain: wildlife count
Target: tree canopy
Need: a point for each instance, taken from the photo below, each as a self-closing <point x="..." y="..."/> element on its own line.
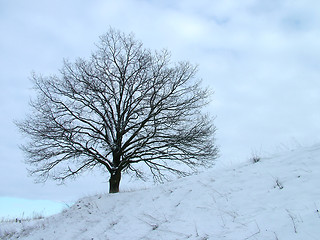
<point x="123" y="106"/>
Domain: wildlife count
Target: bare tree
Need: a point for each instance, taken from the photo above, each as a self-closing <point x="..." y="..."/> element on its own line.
<point x="125" y="105"/>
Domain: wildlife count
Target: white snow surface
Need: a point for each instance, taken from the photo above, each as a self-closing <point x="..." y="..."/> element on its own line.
<point x="276" y="198"/>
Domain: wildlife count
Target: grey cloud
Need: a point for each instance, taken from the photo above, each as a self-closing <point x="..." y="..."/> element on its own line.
<point x="261" y="58"/>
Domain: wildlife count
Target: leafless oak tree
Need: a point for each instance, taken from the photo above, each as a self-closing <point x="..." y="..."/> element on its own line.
<point x="125" y="105"/>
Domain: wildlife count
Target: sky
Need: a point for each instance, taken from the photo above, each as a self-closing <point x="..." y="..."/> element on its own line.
<point x="260" y="57"/>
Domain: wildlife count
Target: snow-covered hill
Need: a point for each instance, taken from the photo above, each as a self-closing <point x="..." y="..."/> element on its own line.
<point x="276" y="198"/>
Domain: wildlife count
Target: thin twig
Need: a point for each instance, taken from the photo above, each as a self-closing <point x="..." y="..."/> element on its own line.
<point x="293" y="221"/>
<point x="255" y="232"/>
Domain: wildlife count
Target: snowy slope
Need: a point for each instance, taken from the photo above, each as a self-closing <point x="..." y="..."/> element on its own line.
<point x="276" y="198"/>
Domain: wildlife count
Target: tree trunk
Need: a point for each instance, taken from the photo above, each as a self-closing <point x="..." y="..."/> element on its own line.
<point x="114" y="182"/>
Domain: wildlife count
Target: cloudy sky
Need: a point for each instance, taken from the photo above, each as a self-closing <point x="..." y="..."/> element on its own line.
<point x="260" y="57"/>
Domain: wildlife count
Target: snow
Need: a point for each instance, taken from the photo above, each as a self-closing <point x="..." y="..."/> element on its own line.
<point x="275" y="198"/>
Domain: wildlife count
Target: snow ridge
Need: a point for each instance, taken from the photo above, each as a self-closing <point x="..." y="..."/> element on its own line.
<point x="275" y="198"/>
